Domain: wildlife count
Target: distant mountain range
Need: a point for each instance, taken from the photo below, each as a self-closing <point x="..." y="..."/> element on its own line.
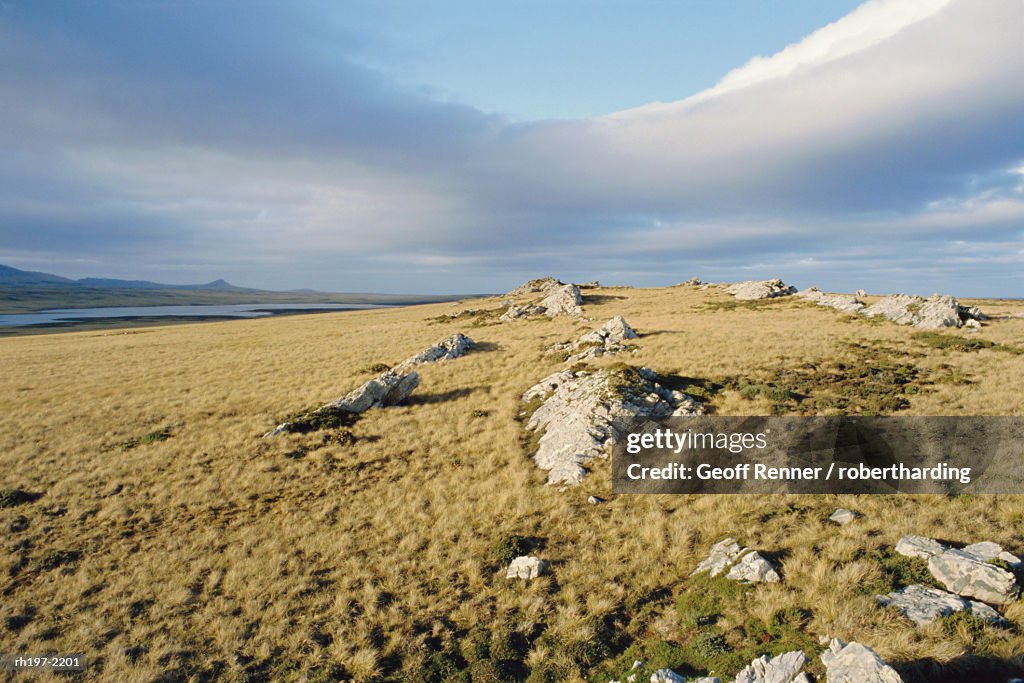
<point x="13" y="277"/>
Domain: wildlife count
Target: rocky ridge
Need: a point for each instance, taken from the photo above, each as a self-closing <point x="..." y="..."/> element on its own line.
<point x="753" y="290"/>
<point x="391" y="386"/>
<point x="575" y="410"/>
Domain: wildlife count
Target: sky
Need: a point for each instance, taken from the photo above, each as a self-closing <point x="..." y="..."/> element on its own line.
<point x="465" y="146"/>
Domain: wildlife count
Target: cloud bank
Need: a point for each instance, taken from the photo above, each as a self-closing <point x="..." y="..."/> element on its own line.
<point x="883" y="150"/>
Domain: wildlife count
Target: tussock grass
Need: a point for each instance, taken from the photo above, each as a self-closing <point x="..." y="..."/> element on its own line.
<point x="213" y="554"/>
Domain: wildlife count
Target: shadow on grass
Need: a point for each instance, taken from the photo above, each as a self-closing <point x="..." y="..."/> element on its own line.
<point x="484" y="347"/>
<point x="442" y="396"/>
<point x="597" y="299"/>
<point x="966" y="668"/>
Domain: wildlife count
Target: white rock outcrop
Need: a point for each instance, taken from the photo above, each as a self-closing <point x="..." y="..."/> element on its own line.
<point x="743" y="563"/>
<point x="541" y="284"/>
<point x="967" y="575"/>
<point x="577" y="409"/>
<point x="919" y="546"/>
<point x="784" y="668"/>
<point x="760" y="289"/>
<point x="449" y="348"/>
<point x="752" y="567"/>
<point x="842" y="516"/>
<point x="386" y="389"/>
<point x="937" y="312"/>
<point x="391" y="386"/>
<point x="526" y="567"/>
<point x="856" y="663"/>
<point x="924" y="604"/>
<point x="841" y="302"/>
<point x="564" y="300"/>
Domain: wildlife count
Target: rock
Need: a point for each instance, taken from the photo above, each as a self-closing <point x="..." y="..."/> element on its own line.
<point x="754" y="568"/>
<point x="519" y="312"/>
<point x="693" y="282"/>
<point x="933" y="313"/>
<point x="966" y="575"/>
<point x="760" y="289"/>
<point x="972" y="313"/>
<point x="615" y="331"/>
<point x="784" y="668"/>
<point x="667" y="676"/>
<point x="860" y="294"/>
<point x="594" y="500"/>
<point x="919" y="546"/>
<point x="840" y="302"/>
<point x="543" y="284"/>
<point x="454" y="346"/>
<point x="923" y="605"/>
<point x="387" y="389"/>
<point x="526" y="567"/>
<point x="593" y="284"/>
<point x="986" y="551"/>
<point x="722" y="555"/>
<point x="842" y="516"/>
<point x="608" y="338"/>
<point x="391" y="386"/>
<point x="743" y="564"/>
<point x="563" y="300"/>
<point x="972" y="324"/>
<point x="577" y="410"/>
<point x="856" y="663"/>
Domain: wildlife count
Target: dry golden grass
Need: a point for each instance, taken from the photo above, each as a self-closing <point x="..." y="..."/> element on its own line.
<point x="214" y="554"/>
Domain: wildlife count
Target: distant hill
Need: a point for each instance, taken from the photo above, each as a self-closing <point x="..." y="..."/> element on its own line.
<point x="22" y="291"/>
<point x="13" y="277"/>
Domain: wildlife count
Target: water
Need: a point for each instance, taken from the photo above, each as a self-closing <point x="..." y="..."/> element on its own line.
<point x="75" y="315"/>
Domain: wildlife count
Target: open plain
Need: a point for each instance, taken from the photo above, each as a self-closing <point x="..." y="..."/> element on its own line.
<point x="147" y="524"/>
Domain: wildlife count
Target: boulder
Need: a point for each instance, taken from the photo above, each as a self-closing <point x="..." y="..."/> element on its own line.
<point x="966" y="575"/>
<point x="919" y="546"/>
<point x="693" y="282"/>
<point x="519" y="312"/>
<point x="391" y="386"/>
<point x="387" y="389"/>
<point x="454" y="346"/>
<point x="760" y="289"/>
<point x="743" y="564"/>
<point x="526" y="567"/>
<point x="542" y="284"/>
<point x="937" y="312"/>
<point x="923" y="605"/>
<point x="721" y="557"/>
<point x="563" y="300"/>
<point x="841" y="302"/>
<point x="577" y="410"/>
<point x="784" y="668"/>
<point x="860" y="293"/>
<point x="667" y="676"/>
<point x="856" y="663"/>
<point x="986" y="551"/>
<point x="752" y="567"/>
<point x="615" y="331"/>
<point x="842" y="516"/>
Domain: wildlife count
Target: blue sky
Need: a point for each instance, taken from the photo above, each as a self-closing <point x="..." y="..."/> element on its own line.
<point x="466" y="146"/>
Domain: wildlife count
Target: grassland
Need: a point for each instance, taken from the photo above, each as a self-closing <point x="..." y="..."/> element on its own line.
<point x="156" y="532"/>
